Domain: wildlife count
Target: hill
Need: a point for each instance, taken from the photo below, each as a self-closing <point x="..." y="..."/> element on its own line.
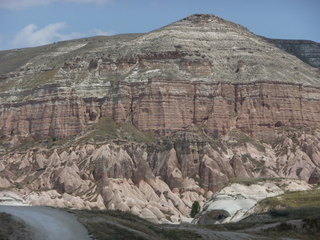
<point x="153" y="122"/>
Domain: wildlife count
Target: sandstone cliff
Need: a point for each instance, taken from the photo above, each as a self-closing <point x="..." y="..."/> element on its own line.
<point x="152" y="122"/>
<point x="221" y="76"/>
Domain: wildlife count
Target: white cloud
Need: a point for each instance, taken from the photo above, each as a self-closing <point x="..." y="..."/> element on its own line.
<point x="31" y="36"/>
<point x="13" y="4"/>
<point x="98" y="32"/>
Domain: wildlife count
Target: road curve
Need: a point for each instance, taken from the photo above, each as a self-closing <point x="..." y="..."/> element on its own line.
<point x="49" y="223"/>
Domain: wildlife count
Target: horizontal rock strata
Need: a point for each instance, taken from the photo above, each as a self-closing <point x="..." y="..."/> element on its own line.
<point x="257" y="109"/>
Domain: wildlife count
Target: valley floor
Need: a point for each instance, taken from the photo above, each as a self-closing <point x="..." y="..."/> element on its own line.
<point x="52" y="224"/>
<point x="18" y="220"/>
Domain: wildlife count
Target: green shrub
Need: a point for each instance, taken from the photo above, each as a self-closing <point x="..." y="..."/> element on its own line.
<point x="278" y="213"/>
<point x="195" y="209"/>
<point x="284" y="226"/>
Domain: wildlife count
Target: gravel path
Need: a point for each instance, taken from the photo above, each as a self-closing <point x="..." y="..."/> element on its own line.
<point x="49" y="223"/>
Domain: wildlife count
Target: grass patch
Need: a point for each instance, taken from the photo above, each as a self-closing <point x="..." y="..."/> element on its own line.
<point x="42" y="78"/>
<point x="295" y="199"/>
<point x="287" y="231"/>
<point x="245" y="181"/>
<point x="116" y="224"/>
<point x="251" y="181"/>
<point x="309" y="231"/>
<point x="106" y="129"/>
<point x="130" y="132"/>
<point x="12" y="228"/>
<point x="25" y="144"/>
<point x="104" y="230"/>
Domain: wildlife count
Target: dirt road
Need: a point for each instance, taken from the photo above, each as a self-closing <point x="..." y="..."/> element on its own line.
<point x="49" y="223"/>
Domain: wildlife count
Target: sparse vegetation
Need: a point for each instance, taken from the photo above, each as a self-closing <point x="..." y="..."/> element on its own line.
<point x="295" y="200"/>
<point x="106" y="130"/>
<point x="12" y="228"/>
<point x="196" y="177"/>
<point x="124" y="225"/>
<point x="218" y="145"/>
<point x="239" y="139"/>
<point x="132" y="133"/>
<point x="251" y="181"/>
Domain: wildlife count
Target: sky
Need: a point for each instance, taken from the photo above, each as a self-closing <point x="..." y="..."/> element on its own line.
<point x="29" y="23"/>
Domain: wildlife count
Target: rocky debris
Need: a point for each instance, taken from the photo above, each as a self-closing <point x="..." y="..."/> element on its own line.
<point x="241" y="66"/>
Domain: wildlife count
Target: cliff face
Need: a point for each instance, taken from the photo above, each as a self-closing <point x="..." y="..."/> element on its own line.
<point x="169" y="116"/>
<point x="258" y="108"/>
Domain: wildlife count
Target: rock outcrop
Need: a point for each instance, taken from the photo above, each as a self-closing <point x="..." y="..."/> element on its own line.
<point x="237" y="201"/>
<point x="315" y="176"/>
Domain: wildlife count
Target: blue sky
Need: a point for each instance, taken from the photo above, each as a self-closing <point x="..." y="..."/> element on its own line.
<point x="27" y="23"/>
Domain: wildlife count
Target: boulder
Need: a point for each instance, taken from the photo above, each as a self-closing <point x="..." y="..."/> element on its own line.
<point x="315" y="176"/>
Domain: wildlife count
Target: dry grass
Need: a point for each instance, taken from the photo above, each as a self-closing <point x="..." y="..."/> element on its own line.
<point x="295" y="200"/>
<point x="106" y="130"/>
<point x="251" y="181"/>
<point x="12" y="228"/>
<point x="303" y="205"/>
<point x="124" y="225"/>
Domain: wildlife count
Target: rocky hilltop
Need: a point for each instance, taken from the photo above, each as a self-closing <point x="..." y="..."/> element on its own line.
<point x="153" y="122"/>
<point x="307" y="51"/>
